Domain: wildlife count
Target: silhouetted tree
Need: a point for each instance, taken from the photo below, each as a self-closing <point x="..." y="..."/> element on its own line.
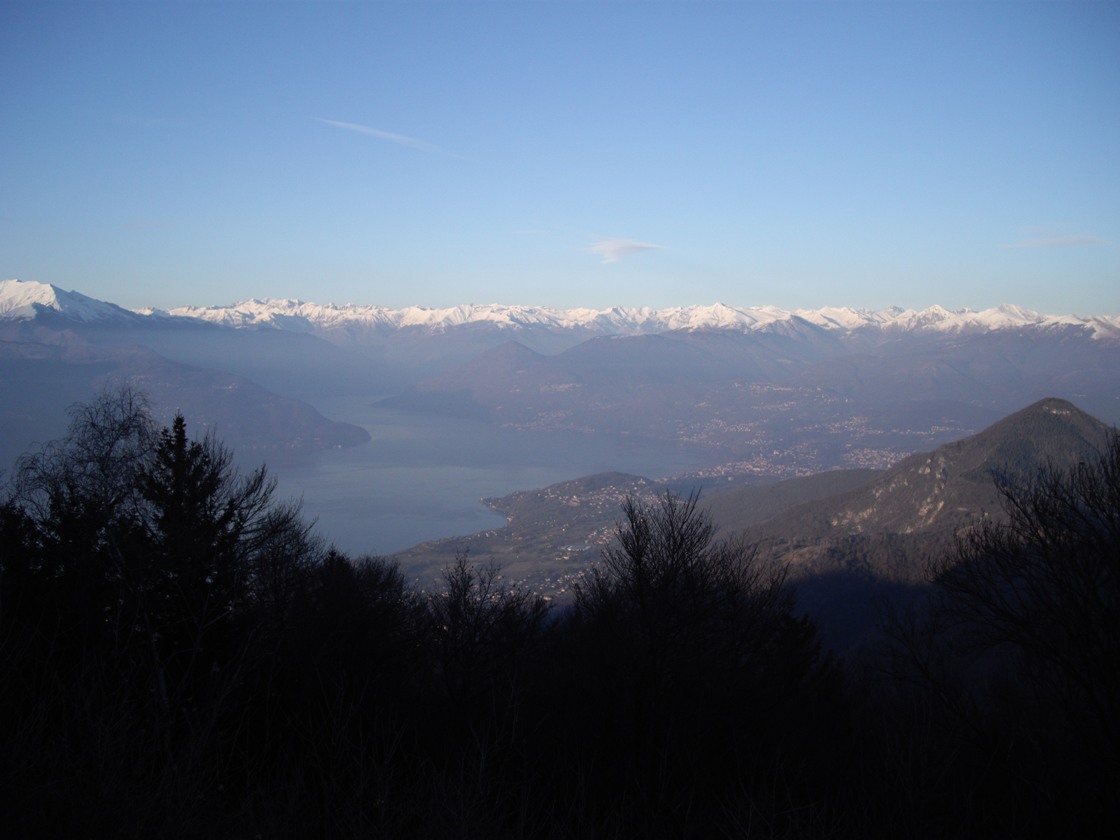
<point x="203" y="525"/>
<point x="90" y="474"/>
<point x="82" y="495"/>
<point x="132" y="581"/>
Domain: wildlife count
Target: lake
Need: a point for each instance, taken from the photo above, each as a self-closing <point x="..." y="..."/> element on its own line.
<point x="423" y="477"/>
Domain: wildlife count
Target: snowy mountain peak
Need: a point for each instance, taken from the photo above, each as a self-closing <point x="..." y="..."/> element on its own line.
<point x="20" y="299"/>
<point x="24" y="300"/>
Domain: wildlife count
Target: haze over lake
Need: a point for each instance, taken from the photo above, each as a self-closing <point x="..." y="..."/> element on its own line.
<point x="422" y="477"/>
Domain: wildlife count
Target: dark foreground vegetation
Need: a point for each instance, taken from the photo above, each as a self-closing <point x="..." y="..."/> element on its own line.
<point x="181" y="657"/>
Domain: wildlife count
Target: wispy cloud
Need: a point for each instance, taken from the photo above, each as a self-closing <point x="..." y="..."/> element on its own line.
<point x="1068" y="241"/>
<point x="391" y="137"/>
<point x="612" y="250"/>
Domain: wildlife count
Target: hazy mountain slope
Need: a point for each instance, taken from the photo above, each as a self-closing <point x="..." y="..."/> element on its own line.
<point x="854" y="554"/>
<point x="295" y="364"/>
<point x="39" y="380"/>
<point x="783" y="404"/>
<point x="1000" y="368"/>
<point x="742" y="507"/>
<point x="919" y="504"/>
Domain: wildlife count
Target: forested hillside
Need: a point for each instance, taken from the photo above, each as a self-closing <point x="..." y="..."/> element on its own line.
<point x="181" y="655"/>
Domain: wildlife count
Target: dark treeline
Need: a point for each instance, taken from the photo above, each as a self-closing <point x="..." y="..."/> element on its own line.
<point x="180" y="656"/>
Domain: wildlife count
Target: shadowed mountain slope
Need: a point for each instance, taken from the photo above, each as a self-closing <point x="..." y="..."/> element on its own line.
<point x="936" y="494"/>
<point x="850" y="553"/>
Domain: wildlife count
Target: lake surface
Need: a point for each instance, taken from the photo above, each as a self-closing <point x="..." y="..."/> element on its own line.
<point x="423" y="477"/>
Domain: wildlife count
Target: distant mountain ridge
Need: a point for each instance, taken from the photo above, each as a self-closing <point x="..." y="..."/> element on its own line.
<point x="297" y="314"/>
<point x="21" y="299"/>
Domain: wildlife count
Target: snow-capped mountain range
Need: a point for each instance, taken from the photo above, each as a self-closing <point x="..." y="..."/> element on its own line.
<point x="24" y="300"/>
<point x="298" y="314"/>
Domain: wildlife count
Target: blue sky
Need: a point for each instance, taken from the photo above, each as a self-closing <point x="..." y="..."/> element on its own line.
<point x="565" y="153"/>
